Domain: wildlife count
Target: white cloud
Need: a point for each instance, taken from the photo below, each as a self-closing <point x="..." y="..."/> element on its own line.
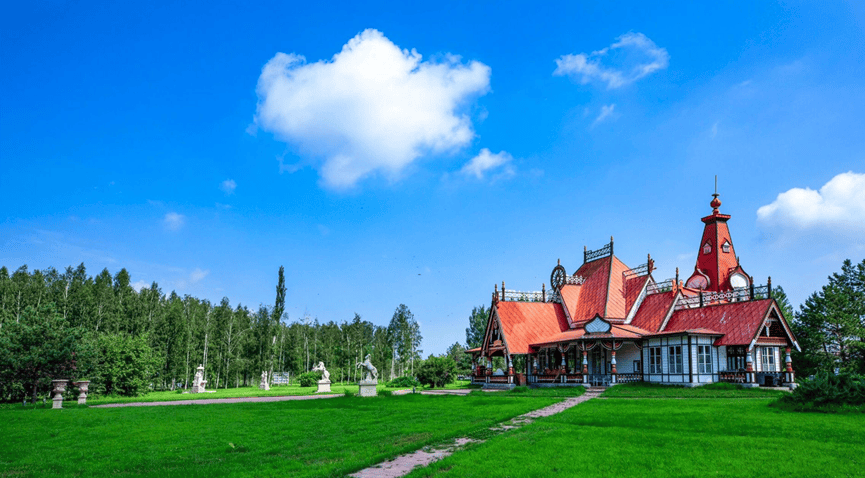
<point x="630" y="58"/>
<point x="174" y="221"/>
<point x="138" y="285"/>
<point x="838" y="206"/>
<point x="606" y="112"/>
<point x="371" y="108"/>
<point x="228" y="186"/>
<point x="486" y="161"/>
<point x="197" y="275"/>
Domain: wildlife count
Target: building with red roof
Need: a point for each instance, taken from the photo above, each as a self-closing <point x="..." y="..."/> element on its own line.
<point x="608" y="323"/>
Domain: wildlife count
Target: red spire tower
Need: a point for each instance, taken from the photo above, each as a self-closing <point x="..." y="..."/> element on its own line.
<point x="717" y="267"/>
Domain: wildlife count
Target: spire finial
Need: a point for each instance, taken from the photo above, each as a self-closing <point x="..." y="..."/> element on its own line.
<point x="716" y="203"/>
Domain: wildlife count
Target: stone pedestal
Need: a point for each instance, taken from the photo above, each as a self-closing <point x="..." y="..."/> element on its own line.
<point x="367" y="388"/>
<point x="82" y="391"/>
<point x="323" y="386"/>
<point x="59" y="388"/>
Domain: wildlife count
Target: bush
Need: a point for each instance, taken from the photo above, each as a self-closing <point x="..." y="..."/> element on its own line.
<point x="828" y="392"/>
<point x="121" y="364"/>
<point x="347" y="393"/>
<point x="385" y="393"/>
<point x="403" y="382"/>
<point x="437" y="371"/>
<point x="309" y="379"/>
<point x="520" y="389"/>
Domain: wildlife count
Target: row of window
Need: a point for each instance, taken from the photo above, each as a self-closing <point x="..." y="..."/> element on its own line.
<point x="676" y="362"/>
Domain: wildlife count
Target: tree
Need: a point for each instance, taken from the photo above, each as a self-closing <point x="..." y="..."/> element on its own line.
<point x="405" y="338"/>
<point x="40" y="347"/>
<point x="437" y="371"/>
<point x="477" y="326"/>
<point x="830" y="326"/>
<point x="123" y="364"/>
<point x="457" y="353"/>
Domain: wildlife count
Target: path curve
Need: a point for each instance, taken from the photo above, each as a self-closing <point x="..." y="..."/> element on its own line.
<point x="404" y="464"/>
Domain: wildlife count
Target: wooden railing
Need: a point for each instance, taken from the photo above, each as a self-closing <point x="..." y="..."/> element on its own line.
<point x="732" y="377"/>
<point x="628" y="377"/>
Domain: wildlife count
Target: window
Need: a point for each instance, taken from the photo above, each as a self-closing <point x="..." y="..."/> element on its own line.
<point x="655" y="360"/>
<point x="726" y="247"/>
<point x="676" y="359"/>
<point x="707" y="248"/>
<point x="704" y="354"/>
<point x="638" y="366"/>
<point x="768" y="358"/>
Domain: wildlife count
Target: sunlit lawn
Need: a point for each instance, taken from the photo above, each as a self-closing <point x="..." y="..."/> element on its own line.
<point x="328" y="437"/>
<point x="670" y="438"/>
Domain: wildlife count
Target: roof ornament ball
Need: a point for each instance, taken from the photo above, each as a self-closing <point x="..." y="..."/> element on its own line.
<point x="716" y="203"/>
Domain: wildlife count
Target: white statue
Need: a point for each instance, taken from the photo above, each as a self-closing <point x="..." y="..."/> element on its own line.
<point x="325" y="375"/>
<point x="371" y="371"/>
<point x="198" y="382"/>
<point x="264" y="385"/>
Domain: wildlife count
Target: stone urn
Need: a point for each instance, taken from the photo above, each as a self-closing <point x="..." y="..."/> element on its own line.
<point x="59" y="388"/>
<point x="82" y="390"/>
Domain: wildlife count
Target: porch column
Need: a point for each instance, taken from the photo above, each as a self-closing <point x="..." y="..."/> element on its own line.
<point x="510" y="369"/>
<point x="789" y="376"/>
<point x="585" y="366"/>
<point x="613" y="366"/>
<point x="750" y="376"/>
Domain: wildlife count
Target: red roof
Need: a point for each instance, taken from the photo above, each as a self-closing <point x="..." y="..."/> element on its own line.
<point x="602" y="292"/>
<point x="633" y="287"/>
<point x="524" y="323"/>
<point x="738" y="321"/>
<point x="653" y="311"/>
<point x="616" y="332"/>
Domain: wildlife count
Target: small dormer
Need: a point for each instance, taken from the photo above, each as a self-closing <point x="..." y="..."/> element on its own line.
<point x="726" y="247"/>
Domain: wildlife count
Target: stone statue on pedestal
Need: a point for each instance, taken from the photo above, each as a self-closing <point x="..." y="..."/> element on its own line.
<point x="324" y="383"/>
<point x="370" y="378"/>
<point x="198" y="383"/>
<point x="264" y="385"/>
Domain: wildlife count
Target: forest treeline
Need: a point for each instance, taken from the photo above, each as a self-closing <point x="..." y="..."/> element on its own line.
<point x="127" y="341"/>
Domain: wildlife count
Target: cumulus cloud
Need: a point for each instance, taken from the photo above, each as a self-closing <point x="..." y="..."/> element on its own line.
<point x="606" y="112"/>
<point x="486" y="161"/>
<point x="838" y="206"/>
<point x="197" y="275"/>
<point x="228" y="186"/>
<point x="372" y="107"/>
<point x="630" y="58"/>
<point x="174" y="221"/>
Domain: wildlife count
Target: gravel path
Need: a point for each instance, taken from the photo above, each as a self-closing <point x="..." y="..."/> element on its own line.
<point x="402" y="465"/>
<point x="208" y="401"/>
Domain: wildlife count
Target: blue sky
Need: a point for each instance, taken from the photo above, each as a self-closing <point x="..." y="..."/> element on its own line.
<point x="419" y="154"/>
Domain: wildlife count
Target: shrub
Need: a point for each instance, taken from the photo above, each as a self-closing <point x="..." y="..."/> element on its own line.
<point x="520" y="389"/>
<point x="385" y="393"/>
<point x="309" y="379"/>
<point x="348" y="393"/>
<point x="121" y="364"/>
<point x="826" y="392"/>
<point x="403" y="382"/>
<point x="436" y="371"/>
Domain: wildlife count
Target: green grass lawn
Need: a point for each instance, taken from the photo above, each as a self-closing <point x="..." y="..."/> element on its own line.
<point x="276" y="391"/>
<point x="715" y="390"/>
<point x="295" y="438"/>
<point x="670" y="438"/>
